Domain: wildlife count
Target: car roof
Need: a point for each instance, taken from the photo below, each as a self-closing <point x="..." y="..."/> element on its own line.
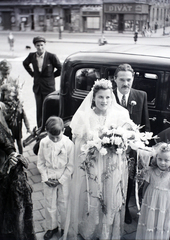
<point x="136" y="49"/>
<point x="143" y="55"/>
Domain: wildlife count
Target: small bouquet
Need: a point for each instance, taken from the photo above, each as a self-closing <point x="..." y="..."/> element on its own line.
<point x="10" y="95"/>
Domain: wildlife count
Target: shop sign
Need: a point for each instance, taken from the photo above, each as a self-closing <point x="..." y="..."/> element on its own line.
<point x="125" y="8"/>
<point x="91" y="8"/>
<point x="119" y="8"/>
<point x="90" y="13"/>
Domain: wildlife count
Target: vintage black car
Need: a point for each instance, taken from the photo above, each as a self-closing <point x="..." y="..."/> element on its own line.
<point x="152" y="75"/>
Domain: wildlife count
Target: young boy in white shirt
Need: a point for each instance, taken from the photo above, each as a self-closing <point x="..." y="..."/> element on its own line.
<point x="55" y="164"/>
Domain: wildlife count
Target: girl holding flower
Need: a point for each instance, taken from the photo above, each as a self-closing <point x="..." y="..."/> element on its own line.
<point x="99" y="182"/>
<point x="154" y="220"/>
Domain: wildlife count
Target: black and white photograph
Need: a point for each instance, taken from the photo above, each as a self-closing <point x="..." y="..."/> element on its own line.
<point x="84" y="119"/>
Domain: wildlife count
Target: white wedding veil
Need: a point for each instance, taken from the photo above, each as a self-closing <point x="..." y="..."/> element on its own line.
<point x="82" y="129"/>
<point x="80" y="121"/>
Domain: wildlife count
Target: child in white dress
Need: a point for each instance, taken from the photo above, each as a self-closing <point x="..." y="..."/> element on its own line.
<point x="55" y="163"/>
<point x="154" y="221"/>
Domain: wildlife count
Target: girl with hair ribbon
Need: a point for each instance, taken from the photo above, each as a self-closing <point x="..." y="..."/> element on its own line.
<point x="154" y="220"/>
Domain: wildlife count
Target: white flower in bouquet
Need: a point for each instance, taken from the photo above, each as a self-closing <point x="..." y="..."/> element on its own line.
<point x="128" y="135"/>
<point x="103" y="151"/>
<point x="90" y="144"/>
<point x="112" y="139"/>
<point x="98" y="144"/>
<point x="119" y="151"/>
<point x="148" y="135"/>
<point x="135" y="145"/>
<point x="119" y="131"/>
<point x="85" y="148"/>
<point x="105" y="140"/>
<point x="118" y="141"/>
<point x="145" y="137"/>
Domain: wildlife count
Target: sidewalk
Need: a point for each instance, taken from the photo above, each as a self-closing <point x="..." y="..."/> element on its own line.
<point x="74" y="38"/>
<point x="109" y="35"/>
<point x="38" y="201"/>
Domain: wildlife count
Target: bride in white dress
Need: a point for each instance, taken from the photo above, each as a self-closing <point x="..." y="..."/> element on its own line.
<point x="96" y="208"/>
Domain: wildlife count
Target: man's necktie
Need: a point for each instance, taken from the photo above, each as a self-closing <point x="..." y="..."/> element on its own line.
<point x="123" y="102"/>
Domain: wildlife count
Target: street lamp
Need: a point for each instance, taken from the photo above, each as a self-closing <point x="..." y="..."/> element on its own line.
<point x="59" y="27"/>
<point x="102" y="40"/>
<point x="102" y="16"/>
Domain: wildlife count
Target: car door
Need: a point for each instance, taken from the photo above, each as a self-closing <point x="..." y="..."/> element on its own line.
<point x="165" y="103"/>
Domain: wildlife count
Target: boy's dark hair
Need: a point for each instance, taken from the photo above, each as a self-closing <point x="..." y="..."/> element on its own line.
<point x="54" y="125"/>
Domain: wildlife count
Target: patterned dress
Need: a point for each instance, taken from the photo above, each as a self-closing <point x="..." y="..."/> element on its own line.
<point x="154" y="221"/>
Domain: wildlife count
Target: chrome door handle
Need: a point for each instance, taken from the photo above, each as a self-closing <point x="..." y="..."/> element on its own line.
<point x="165" y="121"/>
<point x="153" y="119"/>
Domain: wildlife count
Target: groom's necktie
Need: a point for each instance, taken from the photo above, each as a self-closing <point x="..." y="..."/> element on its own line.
<point x="123" y="102"/>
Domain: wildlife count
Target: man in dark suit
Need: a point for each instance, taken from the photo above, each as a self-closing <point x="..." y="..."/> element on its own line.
<point x="45" y="67"/>
<point x="135" y="101"/>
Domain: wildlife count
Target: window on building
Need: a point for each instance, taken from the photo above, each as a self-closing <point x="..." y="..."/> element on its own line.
<point x="157" y="15"/>
<point x="153" y="14"/>
<point x="24" y="10"/>
<point x="129" y="25"/>
<point x="48" y="10"/>
<point x="93" y="22"/>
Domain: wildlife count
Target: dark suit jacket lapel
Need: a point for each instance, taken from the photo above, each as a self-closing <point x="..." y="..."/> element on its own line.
<point x="45" y="61"/>
<point x="35" y="63"/>
<point x="131" y="98"/>
<point x="115" y="92"/>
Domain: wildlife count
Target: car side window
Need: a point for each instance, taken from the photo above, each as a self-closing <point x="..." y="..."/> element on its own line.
<point x="146" y="82"/>
<point x="85" y="78"/>
<point x="167" y="87"/>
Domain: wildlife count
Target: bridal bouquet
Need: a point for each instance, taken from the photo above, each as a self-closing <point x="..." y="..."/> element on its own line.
<point x="117" y="139"/>
<point x="107" y="141"/>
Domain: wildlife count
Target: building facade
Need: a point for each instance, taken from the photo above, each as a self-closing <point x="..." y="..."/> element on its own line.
<point x="83" y="15"/>
<point x="131" y="15"/>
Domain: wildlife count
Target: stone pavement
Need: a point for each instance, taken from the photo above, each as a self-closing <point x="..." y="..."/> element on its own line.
<point x="38" y="201"/>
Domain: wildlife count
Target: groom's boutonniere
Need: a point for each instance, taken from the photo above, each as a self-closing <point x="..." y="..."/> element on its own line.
<point x="133" y="103"/>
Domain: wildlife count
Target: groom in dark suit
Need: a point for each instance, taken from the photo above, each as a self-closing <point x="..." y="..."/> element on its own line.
<point x="45" y="67"/>
<point x="135" y="101"/>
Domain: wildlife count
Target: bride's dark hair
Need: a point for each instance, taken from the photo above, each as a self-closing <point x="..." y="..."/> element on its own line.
<point x="102" y="84"/>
